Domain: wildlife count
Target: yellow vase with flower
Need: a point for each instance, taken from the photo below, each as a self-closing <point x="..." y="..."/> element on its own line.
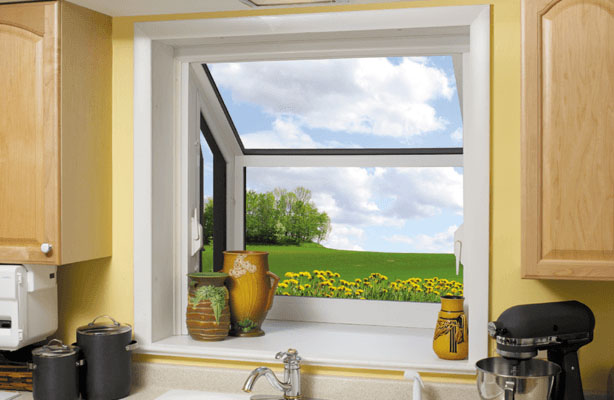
<point x="450" y="341"/>
<point x="252" y="289"/>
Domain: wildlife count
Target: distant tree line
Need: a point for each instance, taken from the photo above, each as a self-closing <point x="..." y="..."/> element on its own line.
<point x="278" y="217"/>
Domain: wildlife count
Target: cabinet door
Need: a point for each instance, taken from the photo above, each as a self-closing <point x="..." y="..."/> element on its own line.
<point x="29" y="137"/>
<point x="568" y="139"/>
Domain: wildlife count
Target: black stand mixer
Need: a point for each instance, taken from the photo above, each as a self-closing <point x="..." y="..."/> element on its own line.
<point x="560" y="328"/>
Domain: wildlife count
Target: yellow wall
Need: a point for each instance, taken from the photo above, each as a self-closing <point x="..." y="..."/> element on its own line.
<point x="105" y="286"/>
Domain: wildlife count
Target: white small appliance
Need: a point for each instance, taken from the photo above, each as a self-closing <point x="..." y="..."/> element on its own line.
<point x="28" y="304"/>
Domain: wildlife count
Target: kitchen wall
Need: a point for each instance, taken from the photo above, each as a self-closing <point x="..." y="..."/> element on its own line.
<point x="106" y="286"/>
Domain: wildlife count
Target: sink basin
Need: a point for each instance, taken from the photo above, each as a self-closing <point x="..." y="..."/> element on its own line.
<point x="197" y="395"/>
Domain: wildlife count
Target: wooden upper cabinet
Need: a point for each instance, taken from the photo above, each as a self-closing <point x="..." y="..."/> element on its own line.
<point x="55" y="133"/>
<point x="568" y="139"/>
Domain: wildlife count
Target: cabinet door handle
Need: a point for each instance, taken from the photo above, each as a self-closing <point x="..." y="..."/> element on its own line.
<point x="46" y="248"/>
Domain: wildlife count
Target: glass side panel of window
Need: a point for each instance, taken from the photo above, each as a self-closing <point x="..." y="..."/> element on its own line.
<point x="207" y="204"/>
<point x="358" y="233"/>
<point x="388" y="102"/>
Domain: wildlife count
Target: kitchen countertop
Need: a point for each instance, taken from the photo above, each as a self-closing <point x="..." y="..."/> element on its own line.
<point x="148" y="393"/>
<point x="151" y="380"/>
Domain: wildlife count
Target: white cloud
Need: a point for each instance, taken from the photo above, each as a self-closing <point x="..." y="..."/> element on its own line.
<point x="366" y="96"/>
<point x="442" y="242"/>
<point x="345" y="237"/>
<point x="284" y="134"/>
<point x="420" y="192"/>
<point x="457" y="135"/>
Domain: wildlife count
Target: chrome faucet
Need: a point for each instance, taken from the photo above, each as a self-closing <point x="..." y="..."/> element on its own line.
<point x="290" y="386"/>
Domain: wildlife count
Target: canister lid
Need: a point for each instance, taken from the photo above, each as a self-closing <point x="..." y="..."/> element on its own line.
<point x="55" y="349"/>
<point x="103" y="329"/>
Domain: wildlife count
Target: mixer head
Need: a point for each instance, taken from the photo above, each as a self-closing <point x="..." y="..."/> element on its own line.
<point x="521" y="331"/>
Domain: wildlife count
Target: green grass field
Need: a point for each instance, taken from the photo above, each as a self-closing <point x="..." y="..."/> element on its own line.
<point x="352" y="264"/>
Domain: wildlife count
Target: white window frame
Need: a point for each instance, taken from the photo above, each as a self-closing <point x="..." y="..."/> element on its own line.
<point x="177" y="48"/>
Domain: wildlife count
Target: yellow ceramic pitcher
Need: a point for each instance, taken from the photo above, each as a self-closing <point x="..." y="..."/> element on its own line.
<point x="252" y="289"/>
<point x="450" y="341"/>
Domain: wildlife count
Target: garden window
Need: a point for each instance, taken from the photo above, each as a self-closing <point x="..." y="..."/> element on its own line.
<point x="350" y="232"/>
<point x="417" y="178"/>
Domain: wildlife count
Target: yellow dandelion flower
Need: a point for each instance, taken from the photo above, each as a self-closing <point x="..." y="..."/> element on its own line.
<point x="289" y="275"/>
<point x="286" y="294"/>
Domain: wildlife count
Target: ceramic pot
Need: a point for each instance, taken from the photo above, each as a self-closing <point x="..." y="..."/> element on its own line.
<point x="208" y="313"/>
<point x="450" y="341"/>
<point x="252" y="289"/>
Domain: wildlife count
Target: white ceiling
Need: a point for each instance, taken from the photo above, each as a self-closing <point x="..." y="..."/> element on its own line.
<point x="117" y="8"/>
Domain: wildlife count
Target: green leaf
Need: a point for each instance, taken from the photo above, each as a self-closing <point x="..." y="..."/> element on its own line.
<point x="216" y="295"/>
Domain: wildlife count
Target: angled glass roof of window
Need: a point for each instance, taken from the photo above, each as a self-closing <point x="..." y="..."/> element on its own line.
<point x="351" y="103"/>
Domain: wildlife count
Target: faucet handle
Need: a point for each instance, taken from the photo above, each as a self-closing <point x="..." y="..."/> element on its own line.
<point x="288" y="357"/>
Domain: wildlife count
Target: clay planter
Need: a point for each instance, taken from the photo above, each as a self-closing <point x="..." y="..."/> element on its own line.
<point x="252" y="289"/>
<point x="207" y="294"/>
<point x="450" y="341"/>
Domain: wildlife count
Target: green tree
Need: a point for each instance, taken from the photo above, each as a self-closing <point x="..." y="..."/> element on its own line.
<point x="262" y="218"/>
<point x="208" y="221"/>
<point x="301" y="219"/>
<point x="278" y="217"/>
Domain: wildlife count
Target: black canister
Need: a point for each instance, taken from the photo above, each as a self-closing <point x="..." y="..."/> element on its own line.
<point x="107" y="350"/>
<point x="55" y="374"/>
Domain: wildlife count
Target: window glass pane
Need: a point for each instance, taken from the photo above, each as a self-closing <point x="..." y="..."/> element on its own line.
<point x="207" y="192"/>
<point x="358" y="233"/>
<point x="393" y="102"/>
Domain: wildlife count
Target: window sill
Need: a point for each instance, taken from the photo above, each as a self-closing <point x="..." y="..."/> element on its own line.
<point x="335" y="345"/>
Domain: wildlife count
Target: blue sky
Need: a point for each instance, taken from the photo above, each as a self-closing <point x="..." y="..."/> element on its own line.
<point x="356" y="103"/>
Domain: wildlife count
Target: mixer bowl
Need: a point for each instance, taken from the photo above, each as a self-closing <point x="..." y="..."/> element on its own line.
<point x="509" y="379"/>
